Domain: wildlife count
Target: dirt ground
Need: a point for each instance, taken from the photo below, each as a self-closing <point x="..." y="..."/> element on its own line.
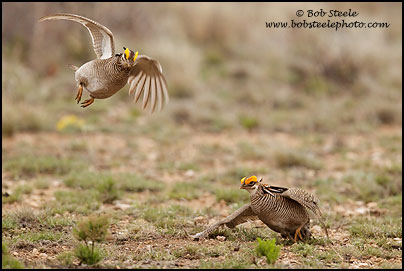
<point x="122" y="247"/>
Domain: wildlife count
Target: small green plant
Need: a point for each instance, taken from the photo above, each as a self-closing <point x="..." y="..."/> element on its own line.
<point x="248" y="122"/>
<point x="269" y="249"/>
<point x="66" y="258"/>
<point x="13" y="197"/>
<point x="87" y="255"/>
<point x="108" y="191"/>
<point x="91" y="230"/>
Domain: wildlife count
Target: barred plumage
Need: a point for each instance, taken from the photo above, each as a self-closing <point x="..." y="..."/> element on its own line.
<point x="102" y="78"/>
<point x="284" y="210"/>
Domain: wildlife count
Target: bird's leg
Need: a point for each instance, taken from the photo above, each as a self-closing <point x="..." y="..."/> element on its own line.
<point x="79" y="93"/>
<point x="298" y="233"/>
<point x="87" y="102"/>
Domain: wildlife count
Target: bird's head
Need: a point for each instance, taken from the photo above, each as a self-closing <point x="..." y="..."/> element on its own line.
<point x="128" y="57"/>
<point x="250" y="184"/>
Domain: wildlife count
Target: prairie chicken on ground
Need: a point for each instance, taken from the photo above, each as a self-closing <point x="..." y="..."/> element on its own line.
<point x="110" y="72"/>
<point x="284" y="210"/>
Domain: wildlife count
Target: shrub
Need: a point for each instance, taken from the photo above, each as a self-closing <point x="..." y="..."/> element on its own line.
<point x="108" y="191"/>
<point x="249" y="123"/>
<point x="92" y="229"/>
<point x="269" y="249"/>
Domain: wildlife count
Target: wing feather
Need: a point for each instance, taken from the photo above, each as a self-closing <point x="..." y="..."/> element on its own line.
<point x="165" y="89"/>
<point x="134" y="81"/>
<point x="309" y="201"/>
<point x="153" y="94"/>
<point x="140" y="87"/>
<point x="155" y="88"/>
<point x="159" y="94"/>
<point x="241" y="215"/>
<point x="102" y="37"/>
<point x="303" y="197"/>
<point x="146" y="93"/>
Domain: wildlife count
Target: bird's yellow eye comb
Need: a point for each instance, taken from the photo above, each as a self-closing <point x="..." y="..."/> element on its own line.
<point x="134" y="58"/>
<point x="249" y="180"/>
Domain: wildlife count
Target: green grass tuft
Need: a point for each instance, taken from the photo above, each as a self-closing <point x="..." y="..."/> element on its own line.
<point x="248" y="122"/>
<point x="93" y="228"/>
<point x="269" y="249"/>
<point x="66" y="258"/>
<point x="107" y="190"/>
<point x="232" y="195"/>
<point x="373" y="228"/>
<point x="8" y="261"/>
<point x="292" y="159"/>
<point x="171" y="218"/>
<point x="187" y="190"/>
<point x="87" y="255"/>
<point x="31" y="165"/>
<point x="136" y="183"/>
<point x="90" y="230"/>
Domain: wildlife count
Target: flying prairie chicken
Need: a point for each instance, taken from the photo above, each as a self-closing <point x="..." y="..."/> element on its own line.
<point x="106" y="75"/>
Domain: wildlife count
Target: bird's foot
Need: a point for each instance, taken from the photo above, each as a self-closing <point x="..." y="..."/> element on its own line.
<point x="79" y="93"/>
<point x="297" y="233"/>
<point x="87" y="102"/>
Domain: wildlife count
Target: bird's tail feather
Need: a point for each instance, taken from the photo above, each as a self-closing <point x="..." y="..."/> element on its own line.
<point x="74" y="68"/>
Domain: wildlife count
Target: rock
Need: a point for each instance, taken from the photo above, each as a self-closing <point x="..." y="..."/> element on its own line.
<point x="189" y="173"/>
<point x="149" y="248"/>
<point x="152" y="156"/>
<point x="361" y="210"/>
<point x="35" y="251"/>
<point x="122" y="206"/>
<point x="220" y="238"/>
<point x="43" y="255"/>
<point x="339" y="209"/>
<point x="371" y="205"/>
<point x="316" y="229"/>
<point x="262" y="262"/>
<point x="15" y="253"/>
<point x="200" y="220"/>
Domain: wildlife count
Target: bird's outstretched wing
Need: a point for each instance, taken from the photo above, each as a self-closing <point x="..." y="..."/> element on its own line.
<point x="303" y="197"/>
<point x="103" y="39"/>
<point x="147" y="77"/>
<point x="241" y="215"/>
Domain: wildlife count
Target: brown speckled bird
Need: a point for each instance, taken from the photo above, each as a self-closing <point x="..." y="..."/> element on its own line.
<point x="110" y="72"/>
<point x="284" y="210"/>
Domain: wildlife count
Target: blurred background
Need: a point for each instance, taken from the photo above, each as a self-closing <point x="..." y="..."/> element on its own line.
<point x="226" y="71"/>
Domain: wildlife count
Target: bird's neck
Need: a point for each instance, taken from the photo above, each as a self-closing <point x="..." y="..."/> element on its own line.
<point x="256" y="192"/>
